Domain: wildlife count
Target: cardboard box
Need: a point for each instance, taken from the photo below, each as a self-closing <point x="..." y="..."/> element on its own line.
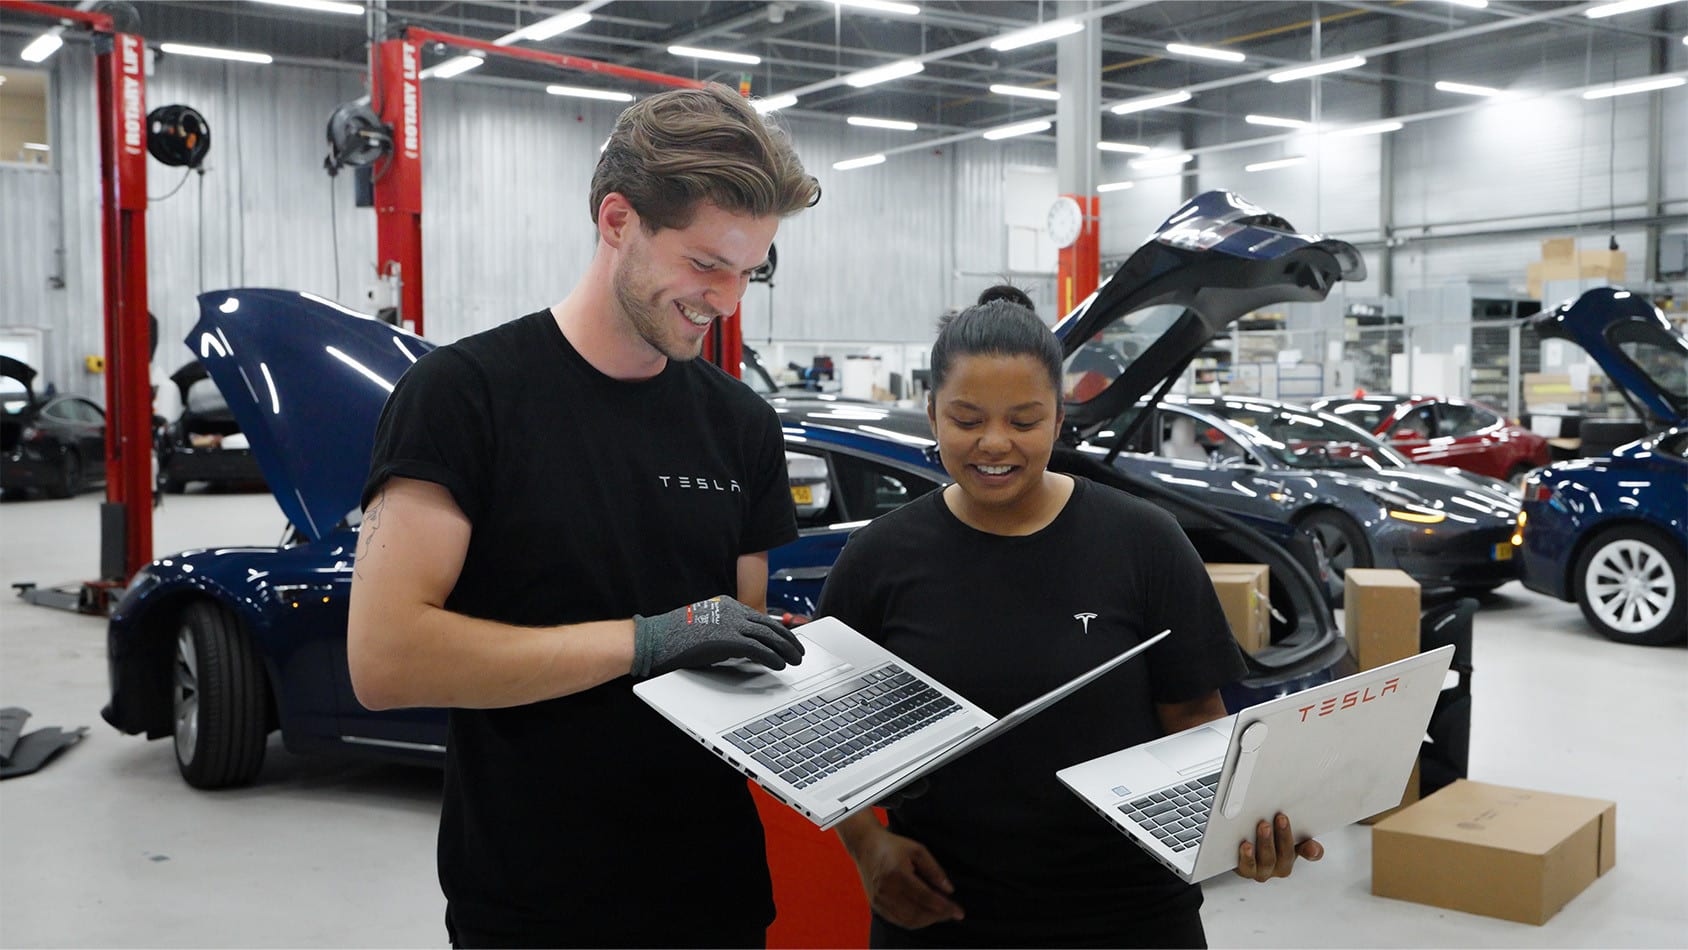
<point x="1563" y="248"/>
<point x="1380" y="615"/>
<point x="1489" y="849"/>
<point x="1561" y="260"/>
<point x="1245" y="592"/>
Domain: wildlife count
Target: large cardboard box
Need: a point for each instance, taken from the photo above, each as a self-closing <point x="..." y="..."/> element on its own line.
<point x="1245" y="592"/>
<point x="1380" y="615"/>
<point x="1489" y="849"/>
<point x="1562" y="260"/>
<point x="1562" y="248"/>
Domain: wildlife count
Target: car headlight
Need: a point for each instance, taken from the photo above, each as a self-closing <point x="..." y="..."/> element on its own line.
<point x="1405" y="506"/>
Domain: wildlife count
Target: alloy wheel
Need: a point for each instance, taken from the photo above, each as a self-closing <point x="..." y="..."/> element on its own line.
<point x="185" y="696"/>
<point x="1629" y="585"/>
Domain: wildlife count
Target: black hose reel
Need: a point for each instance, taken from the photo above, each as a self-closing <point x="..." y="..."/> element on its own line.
<point x="178" y="136"/>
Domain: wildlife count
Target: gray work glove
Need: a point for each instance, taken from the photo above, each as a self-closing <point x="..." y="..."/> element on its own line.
<point x="708" y="632"/>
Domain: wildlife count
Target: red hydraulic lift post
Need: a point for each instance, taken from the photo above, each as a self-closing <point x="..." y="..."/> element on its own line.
<point x="1079" y="265"/>
<point x="121" y="91"/>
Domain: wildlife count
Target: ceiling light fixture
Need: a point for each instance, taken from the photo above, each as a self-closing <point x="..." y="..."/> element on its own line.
<point x="1162" y="161"/>
<point x="37" y="147"/>
<point x="1114" y="186"/>
<point x="1473" y="4"/>
<point x="871" y="123"/>
<point x="1317" y="69"/>
<point x="214" y="52"/>
<point x="879" y="74"/>
<point x="1466" y="89"/>
<point x="863" y="162"/>
<point x="1018" y="128"/>
<point x="320" y="6"/>
<point x="546" y="28"/>
<point x="1275" y="163"/>
<point x="1205" y="52"/>
<point x="1640" y="85"/>
<point x="1054" y="29"/>
<point x="1126" y="147"/>
<point x="455" y="66"/>
<point x="1622" y="6"/>
<point x="1150" y="102"/>
<point x="41" y="47"/>
<point x="1371" y="128"/>
<point x="694" y="52"/>
<point x="880" y="6"/>
<point x="769" y="104"/>
<point x="1026" y="92"/>
<point x="580" y="92"/>
<point x="1276" y="122"/>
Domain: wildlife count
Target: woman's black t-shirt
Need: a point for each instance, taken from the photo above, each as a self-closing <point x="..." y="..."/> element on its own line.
<point x="1002" y="620"/>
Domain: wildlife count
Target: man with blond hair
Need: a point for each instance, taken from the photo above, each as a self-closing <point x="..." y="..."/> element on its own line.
<point x="570" y="501"/>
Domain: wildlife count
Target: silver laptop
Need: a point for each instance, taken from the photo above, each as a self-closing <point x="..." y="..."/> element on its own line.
<point x="848" y="726"/>
<point x="1325" y="757"/>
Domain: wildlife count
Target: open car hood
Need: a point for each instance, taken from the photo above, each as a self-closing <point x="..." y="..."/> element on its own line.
<point x="306" y="379"/>
<point x="1633" y="342"/>
<point x="1216" y="258"/>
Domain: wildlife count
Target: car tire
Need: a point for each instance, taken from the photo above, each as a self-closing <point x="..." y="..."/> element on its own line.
<point x="1628" y="582"/>
<point x="1342" y="542"/>
<point x="220" y="699"/>
<point x="172" y="486"/>
<point x="69" y="480"/>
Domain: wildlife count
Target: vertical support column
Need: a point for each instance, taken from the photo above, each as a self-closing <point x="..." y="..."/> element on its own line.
<point x="1078" y="128"/>
<point x="396" y="93"/>
<point x="123" y="238"/>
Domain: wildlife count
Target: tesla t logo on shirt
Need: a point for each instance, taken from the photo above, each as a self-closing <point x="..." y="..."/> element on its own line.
<point x="1085" y="619"/>
<point x="1351" y="699"/>
<point x="698" y="483"/>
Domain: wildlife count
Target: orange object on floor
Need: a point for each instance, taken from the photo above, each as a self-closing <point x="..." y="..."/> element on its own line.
<point x="817" y="892"/>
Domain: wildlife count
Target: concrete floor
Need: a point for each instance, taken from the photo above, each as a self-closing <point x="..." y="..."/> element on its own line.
<point x="108" y="847"/>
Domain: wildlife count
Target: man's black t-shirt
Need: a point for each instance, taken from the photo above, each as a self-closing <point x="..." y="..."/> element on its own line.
<point x="1002" y="620"/>
<point x="589" y="818"/>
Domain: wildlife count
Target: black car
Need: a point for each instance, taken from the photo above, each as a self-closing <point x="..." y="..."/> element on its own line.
<point x="204" y="443"/>
<point x="54" y="443"/>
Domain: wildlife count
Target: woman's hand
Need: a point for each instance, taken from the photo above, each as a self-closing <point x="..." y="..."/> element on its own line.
<point x="904" y="883"/>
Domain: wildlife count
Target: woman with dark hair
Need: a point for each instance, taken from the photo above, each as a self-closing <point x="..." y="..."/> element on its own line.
<point x="1009" y="582"/>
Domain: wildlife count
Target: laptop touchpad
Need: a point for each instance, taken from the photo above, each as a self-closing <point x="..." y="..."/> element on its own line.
<point x="1192" y="750"/>
<point x="748" y="674"/>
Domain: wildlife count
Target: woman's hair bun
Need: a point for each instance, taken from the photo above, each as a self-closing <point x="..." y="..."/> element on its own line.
<point x="1007" y="292"/>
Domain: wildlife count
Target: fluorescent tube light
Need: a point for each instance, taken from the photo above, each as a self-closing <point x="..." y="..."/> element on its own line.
<point x="1018" y="128"/>
<point x="1162" y="161"/>
<point x="879" y="74"/>
<point x="546" y="28"/>
<point x="722" y="55"/>
<point x="769" y="104"/>
<point x="1466" y="89"/>
<point x="1054" y="29"/>
<point x="1206" y="52"/>
<point x="1026" y="92"/>
<point x="37" y="147"/>
<point x="1150" y="102"/>
<point x="320" y="6"/>
<point x="1276" y="122"/>
<point x="871" y="123"/>
<point x="1126" y="147"/>
<point x="880" y="6"/>
<point x="456" y="66"/>
<point x="1640" y="85"/>
<point x="863" y="162"/>
<point x="213" y="52"/>
<point x="1473" y="4"/>
<point x="1622" y="6"/>
<point x="41" y="47"/>
<point x="1371" y="128"/>
<point x="1114" y="186"/>
<point x="580" y="92"/>
<point x="1317" y="69"/>
<point x="1275" y="163"/>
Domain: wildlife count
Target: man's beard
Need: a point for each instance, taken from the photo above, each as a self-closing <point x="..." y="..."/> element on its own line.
<point x="648" y="317"/>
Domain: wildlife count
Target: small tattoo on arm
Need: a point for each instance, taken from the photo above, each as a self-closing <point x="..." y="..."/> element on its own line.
<point x="366" y="539"/>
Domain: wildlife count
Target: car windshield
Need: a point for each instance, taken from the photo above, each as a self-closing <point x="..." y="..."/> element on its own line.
<point x="1368" y="414"/>
<point x="1302" y="438"/>
<point x="1096" y="363"/>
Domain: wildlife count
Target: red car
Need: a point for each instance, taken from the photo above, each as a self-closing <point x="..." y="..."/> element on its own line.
<point x="1433" y="430"/>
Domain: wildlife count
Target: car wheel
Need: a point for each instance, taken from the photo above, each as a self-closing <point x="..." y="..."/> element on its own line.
<point x="1628" y="583"/>
<point x="1342" y="543"/>
<point x="69" y="481"/>
<point x="219" y="698"/>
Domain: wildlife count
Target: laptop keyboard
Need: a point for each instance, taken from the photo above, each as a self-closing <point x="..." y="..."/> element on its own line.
<point x="1176" y="815"/>
<point x="810" y="740"/>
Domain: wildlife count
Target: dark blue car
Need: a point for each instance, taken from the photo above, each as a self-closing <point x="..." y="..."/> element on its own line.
<point x="217" y="648"/>
<point x="1609" y="533"/>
